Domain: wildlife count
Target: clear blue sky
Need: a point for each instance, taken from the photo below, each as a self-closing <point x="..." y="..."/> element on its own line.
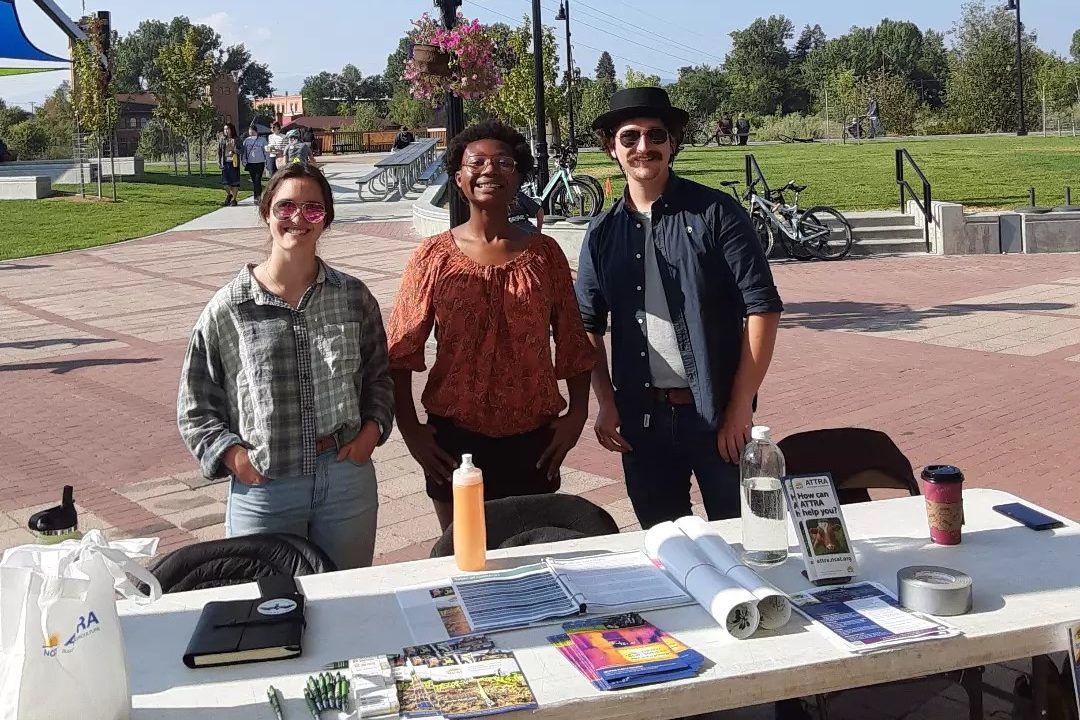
<point x="327" y="34"/>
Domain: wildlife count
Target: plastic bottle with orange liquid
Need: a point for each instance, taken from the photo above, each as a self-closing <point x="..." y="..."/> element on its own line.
<point x="470" y="532"/>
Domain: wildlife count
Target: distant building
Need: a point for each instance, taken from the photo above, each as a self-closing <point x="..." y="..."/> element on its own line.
<point x="286" y="107"/>
<point x="137" y="109"/>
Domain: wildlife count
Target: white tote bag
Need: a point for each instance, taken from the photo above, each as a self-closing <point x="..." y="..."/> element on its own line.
<point x="61" y="648"/>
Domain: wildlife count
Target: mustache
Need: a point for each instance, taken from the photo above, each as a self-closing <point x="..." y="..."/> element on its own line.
<point x="645" y="156"/>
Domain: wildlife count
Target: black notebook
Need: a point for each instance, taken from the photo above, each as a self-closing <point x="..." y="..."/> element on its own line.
<point x="243" y="631"/>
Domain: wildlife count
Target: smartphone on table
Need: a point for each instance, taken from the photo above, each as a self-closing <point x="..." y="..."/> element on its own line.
<point x="1028" y="516"/>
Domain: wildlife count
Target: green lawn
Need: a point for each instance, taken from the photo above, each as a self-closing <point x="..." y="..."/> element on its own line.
<point x="149" y="204"/>
<point x="980" y="173"/>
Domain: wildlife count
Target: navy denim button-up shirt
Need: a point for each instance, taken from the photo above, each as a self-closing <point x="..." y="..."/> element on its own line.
<point x="714" y="274"/>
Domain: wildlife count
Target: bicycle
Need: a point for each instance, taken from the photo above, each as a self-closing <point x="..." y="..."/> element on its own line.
<point x="703" y="133"/>
<point x="569" y="196"/>
<point x="820" y="232"/>
<point x="761" y="225"/>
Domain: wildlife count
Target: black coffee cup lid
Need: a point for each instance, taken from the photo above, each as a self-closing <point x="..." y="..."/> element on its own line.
<point x="61" y="517"/>
<point x="942" y="474"/>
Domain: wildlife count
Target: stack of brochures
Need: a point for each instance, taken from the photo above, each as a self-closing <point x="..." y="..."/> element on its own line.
<point x="622" y="651"/>
<point x="865" y="617"/>
<point x="461" y="678"/>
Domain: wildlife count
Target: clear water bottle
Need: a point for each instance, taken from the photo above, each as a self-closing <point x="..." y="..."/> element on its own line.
<point x="764" y="520"/>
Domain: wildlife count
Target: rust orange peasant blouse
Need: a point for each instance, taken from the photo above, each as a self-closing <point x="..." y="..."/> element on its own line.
<point x="493" y="371"/>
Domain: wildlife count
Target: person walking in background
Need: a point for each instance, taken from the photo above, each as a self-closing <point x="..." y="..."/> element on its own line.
<point x="872" y="116"/>
<point x="285" y="387"/>
<point x="254" y="157"/>
<point x="296" y="152"/>
<point x="275" y="148"/>
<point x="228" y="153"/>
<point x="693" y="312"/>
<point x="403" y="139"/>
<point x="498" y="295"/>
<point x="742" y="128"/>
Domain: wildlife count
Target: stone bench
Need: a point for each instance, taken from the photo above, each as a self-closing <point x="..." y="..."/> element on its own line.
<point x="25" y="187"/>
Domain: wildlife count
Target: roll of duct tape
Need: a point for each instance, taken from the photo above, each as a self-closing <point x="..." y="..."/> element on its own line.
<point x="934" y="590"/>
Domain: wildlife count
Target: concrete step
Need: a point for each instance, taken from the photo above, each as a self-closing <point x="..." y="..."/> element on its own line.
<point x="879" y="218"/>
<point x="888" y="246"/>
<point x="896" y="232"/>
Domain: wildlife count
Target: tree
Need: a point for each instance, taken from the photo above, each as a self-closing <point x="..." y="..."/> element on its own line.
<point x="933" y="69"/>
<point x="185" y="72"/>
<point x="1055" y="79"/>
<point x="515" y="103"/>
<point x="404" y="109"/>
<point x="810" y="39"/>
<point x="11" y="115"/>
<point x="349" y="84"/>
<point x="981" y="88"/>
<point x="28" y="139"/>
<point x="898" y="103"/>
<point x="639" y="79"/>
<point x="395" y="65"/>
<point x="702" y="91"/>
<point x="757" y="64"/>
<point x="605" y="68"/>
<point x="898" y="46"/>
<point x="154" y="140"/>
<point x="321" y="95"/>
<point x="97" y="111"/>
<point x="595" y="101"/>
<point x="1074" y="49"/>
<point x="57" y="116"/>
<point x="366" y="116"/>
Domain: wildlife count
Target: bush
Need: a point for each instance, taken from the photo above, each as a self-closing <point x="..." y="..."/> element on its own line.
<point x="28" y="140"/>
<point x="774" y="127"/>
<point x="153" y="141"/>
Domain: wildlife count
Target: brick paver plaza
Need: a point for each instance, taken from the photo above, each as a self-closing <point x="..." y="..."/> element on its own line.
<point x="970" y="360"/>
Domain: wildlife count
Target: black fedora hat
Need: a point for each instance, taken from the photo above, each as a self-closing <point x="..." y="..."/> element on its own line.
<point x="650" y="102"/>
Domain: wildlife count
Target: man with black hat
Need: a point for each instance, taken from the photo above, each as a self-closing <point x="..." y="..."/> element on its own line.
<point x="694" y="314"/>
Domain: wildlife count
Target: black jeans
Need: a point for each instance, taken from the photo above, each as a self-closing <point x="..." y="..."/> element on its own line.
<point x="255" y="170"/>
<point x="665" y="454"/>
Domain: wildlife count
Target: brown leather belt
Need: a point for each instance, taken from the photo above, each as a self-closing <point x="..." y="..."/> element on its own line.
<point x="674" y="396"/>
<point x="325" y="443"/>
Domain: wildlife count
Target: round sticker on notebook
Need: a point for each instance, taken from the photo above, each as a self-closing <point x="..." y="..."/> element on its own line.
<point x="280" y="606"/>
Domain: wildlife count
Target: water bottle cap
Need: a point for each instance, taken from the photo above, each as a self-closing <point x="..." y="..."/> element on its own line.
<point x="467" y="473"/>
<point x="466" y="462"/>
<point x="760" y="432"/>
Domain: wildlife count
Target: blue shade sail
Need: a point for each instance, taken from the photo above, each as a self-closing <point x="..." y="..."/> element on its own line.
<point x="14" y="45"/>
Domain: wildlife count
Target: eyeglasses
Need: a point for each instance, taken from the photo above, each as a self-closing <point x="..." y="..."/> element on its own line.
<point x="656" y="136"/>
<point x="287" y="209"/>
<point x="502" y="163"/>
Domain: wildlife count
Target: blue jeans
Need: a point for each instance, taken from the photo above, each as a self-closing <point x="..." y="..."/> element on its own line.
<point x="336" y="508"/>
<point x="658" y="469"/>
<point x="271" y="166"/>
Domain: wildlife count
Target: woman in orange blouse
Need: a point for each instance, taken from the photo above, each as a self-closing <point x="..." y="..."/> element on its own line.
<point x="494" y="293"/>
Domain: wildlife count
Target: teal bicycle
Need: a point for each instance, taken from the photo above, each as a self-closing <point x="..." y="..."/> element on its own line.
<point x="568" y="196"/>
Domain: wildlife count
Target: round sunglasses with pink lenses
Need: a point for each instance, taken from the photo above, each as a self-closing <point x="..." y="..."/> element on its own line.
<point x="287" y="209"/>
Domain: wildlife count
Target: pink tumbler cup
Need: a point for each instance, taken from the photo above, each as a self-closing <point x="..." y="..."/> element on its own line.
<point x="943" y="487"/>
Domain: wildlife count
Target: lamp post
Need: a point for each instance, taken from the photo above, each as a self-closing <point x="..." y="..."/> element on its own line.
<point x="564" y="14"/>
<point x="538" y="89"/>
<point x="455" y="114"/>
<point x="1021" y="128"/>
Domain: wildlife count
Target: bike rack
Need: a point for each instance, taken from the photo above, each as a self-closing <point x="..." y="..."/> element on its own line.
<point x="754" y="174"/>
<point x="901" y="155"/>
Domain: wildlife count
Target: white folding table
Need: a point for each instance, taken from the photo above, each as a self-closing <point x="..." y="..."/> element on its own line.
<point x="1027" y="590"/>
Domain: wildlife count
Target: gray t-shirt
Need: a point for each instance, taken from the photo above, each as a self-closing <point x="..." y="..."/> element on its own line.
<point x="665" y="360"/>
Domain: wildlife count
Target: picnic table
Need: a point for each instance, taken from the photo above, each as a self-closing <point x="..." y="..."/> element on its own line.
<point x="1026" y="589"/>
<point x="407" y="164"/>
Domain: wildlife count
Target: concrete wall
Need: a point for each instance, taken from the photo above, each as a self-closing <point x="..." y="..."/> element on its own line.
<point x="25" y="188"/>
<point x="955" y="232"/>
<point x="125" y="166"/>
<point x="59" y="171"/>
<point x="1051" y="232"/>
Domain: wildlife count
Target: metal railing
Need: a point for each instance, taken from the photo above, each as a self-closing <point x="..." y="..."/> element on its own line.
<point x="754" y="174"/>
<point x="903" y="157"/>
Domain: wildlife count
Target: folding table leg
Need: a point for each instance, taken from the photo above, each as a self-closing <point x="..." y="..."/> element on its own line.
<point x="971" y="679"/>
<point x="1041" y="668"/>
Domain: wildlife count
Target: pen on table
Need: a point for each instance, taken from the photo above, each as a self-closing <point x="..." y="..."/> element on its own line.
<point x="271" y="693"/>
<point x="310" y="700"/>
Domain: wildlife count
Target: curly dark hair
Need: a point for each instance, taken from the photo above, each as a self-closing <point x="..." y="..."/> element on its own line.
<point x="489" y="130"/>
<point x="296" y="170"/>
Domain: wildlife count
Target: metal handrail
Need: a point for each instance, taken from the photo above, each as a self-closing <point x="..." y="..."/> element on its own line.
<point x="925" y="204"/>
<point x="754" y="174"/>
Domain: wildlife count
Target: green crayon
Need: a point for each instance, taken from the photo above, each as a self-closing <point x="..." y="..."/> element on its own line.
<point x="312" y="707"/>
<point x="271" y="693"/>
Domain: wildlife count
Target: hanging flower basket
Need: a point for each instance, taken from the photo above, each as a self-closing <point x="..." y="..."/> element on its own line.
<point x="431" y="59"/>
<point x="458" y="60"/>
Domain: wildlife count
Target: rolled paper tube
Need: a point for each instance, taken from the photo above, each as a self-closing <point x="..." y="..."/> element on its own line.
<point x="731" y="605"/>
<point x="774" y="605"/>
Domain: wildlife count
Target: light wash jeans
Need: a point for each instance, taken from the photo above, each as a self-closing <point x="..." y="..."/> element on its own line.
<point x="336" y="508"/>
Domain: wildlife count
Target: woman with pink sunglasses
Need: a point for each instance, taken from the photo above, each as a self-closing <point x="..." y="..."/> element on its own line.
<point x="285" y="388"/>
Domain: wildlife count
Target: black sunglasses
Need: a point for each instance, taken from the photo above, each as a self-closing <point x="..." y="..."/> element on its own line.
<point x="655" y="136"/>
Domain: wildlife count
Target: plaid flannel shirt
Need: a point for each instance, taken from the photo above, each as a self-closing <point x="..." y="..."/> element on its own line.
<point x="274" y="379"/>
